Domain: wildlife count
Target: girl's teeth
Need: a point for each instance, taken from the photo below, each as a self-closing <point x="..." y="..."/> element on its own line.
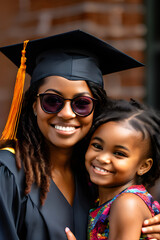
<point x="100" y="169"/>
<point x="66" y="129"/>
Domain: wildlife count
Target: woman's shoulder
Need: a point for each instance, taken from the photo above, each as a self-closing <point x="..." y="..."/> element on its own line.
<point x="7" y="156"/>
<point x="7" y="160"/>
<point x="8" y="167"/>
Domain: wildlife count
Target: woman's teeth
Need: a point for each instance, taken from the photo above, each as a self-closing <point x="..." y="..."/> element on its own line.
<point x="66" y="129"/>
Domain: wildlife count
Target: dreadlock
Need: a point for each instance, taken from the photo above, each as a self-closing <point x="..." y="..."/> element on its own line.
<point x="30" y="147"/>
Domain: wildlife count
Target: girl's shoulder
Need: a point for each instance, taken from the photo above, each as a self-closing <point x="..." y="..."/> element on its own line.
<point x="134" y="200"/>
<point x="127" y="214"/>
<point x="128" y="202"/>
<point x="143" y="194"/>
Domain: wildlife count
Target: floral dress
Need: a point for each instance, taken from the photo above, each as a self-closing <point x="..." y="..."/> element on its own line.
<point x="98" y="225"/>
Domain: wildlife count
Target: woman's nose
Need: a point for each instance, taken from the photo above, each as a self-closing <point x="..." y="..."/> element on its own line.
<point x="66" y="111"/>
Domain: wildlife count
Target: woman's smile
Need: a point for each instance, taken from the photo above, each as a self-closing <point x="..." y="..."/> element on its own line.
<point x="65" y="129"/>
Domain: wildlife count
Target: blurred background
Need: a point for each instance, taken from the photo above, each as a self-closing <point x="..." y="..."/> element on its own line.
<point x="132" y="26"/>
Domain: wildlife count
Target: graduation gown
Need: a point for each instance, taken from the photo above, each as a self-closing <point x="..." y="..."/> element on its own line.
<point x="22" y="216"/>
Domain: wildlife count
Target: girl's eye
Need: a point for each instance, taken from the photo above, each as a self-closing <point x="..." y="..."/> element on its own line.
<point x="120" y="154"/>
<point x="97" y="146"/>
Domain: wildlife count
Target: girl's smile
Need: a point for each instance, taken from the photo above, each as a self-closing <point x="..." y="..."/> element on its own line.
<point x="98" y="169"/>
<point x="114" y="154"/>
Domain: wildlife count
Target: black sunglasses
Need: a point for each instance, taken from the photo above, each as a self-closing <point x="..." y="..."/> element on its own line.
<point x="53" y="103"/>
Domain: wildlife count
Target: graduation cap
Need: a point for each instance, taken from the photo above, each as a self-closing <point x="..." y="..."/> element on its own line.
<point x="75" y="55"/>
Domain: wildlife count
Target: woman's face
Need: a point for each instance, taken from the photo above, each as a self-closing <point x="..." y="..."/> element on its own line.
<point x="63" y="129"/>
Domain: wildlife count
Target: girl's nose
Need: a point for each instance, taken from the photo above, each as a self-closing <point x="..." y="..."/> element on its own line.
<point x="66" y="111"/>
<point x="104" y="158"/>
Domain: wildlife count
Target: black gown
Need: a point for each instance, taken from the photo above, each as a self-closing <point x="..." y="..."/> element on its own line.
<point x="22" y="217"/>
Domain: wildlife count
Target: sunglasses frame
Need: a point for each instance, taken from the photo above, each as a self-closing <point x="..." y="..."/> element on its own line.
<point x="41" y="95"/>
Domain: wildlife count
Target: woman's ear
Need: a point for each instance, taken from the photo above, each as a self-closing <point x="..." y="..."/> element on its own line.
<point x="145" y="166"/>
<point x="35" y="108"/>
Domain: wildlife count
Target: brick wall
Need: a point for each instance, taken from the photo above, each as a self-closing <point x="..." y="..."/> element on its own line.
<point x="119" y="22"/>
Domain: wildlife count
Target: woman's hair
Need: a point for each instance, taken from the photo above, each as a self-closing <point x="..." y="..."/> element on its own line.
<point x="81" y="147"/>
<point x="31" y="147"/>
<point x="100" y="94"/>
<point x="141" y="118"/>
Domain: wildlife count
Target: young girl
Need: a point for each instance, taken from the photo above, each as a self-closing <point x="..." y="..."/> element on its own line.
<point x="122" y="159"/>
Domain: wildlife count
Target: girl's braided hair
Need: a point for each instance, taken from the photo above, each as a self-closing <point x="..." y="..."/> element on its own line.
<point x="141" y="118"/>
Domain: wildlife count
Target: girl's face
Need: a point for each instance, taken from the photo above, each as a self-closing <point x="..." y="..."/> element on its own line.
<point x="116" y="153"/>
<point x="63" y="129"/>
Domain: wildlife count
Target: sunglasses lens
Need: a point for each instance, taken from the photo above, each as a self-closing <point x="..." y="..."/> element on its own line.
<point x="52" y="103"/>
<point x="82" y="106"/>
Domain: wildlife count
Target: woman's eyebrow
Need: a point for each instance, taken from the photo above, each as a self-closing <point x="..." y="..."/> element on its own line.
<point x="77" y="94"/>
<point x="53" y="90"/>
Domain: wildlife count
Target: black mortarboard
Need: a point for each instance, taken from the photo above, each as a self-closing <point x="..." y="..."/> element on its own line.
<point x="75" y="55"/>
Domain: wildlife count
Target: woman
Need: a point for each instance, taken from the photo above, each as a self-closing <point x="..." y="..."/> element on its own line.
<point x="47" y="193"/>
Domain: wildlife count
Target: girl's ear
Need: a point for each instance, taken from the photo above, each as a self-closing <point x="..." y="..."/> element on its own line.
<point x="145" y="166"/>
<point x="35" y="108"/>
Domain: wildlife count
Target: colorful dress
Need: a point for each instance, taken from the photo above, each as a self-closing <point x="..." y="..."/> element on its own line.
<point x="98" y="225"/>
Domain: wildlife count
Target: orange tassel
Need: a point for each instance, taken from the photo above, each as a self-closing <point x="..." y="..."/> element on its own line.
<point x="10" y="130"/>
